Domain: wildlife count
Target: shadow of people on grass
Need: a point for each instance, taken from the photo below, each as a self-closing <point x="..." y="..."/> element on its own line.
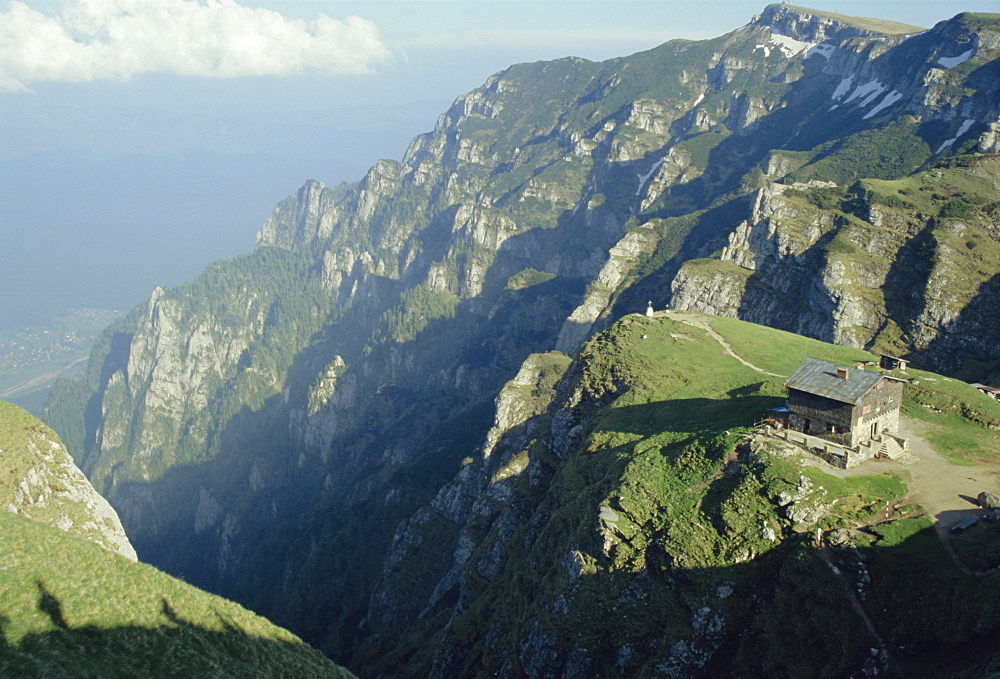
<point x="175" y="648"/>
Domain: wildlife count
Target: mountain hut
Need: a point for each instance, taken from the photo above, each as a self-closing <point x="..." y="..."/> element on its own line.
<point x="848" y="406"/>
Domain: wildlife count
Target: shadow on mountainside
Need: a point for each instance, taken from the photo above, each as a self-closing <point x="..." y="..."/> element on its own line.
<point x="897" y="608"/>
<point x="276" y="524"/>
<point x="300" y="530"/>
<point x="740" y="408"/>
<point x="176" y="648"/>
<point x="976" y="334"/>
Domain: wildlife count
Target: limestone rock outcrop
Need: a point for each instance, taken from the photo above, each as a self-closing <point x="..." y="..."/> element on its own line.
<point x="40" y="481"/>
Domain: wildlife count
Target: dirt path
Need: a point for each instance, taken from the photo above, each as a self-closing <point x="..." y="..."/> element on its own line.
<point x="947" y="491"/>
<point x="703" y="323"/>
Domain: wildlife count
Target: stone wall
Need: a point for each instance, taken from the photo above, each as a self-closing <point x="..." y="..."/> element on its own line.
<point x="880" y="405"/>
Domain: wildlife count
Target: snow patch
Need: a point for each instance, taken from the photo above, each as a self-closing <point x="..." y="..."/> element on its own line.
<point x="645" y="178"/>
<point x="789" y="46"/>
<point x="966" y="124"/>
<point x="951" y="62"/>
<point x="767" y="50"/>
<point x="842" y="88"/>
<point x="889" y="100"/>
<point x="869" y="92"/>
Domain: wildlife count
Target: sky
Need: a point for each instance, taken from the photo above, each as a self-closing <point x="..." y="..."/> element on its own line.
<point x="142" y="139"/>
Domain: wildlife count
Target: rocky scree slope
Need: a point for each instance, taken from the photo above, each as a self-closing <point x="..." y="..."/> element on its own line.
<point x="265" y="429"/>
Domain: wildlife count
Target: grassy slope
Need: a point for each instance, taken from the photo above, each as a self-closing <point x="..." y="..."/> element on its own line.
<point x="662" y="452"/>
<point x="713" y="520"/>
<point x="68" y="607"/>
<point x="71" y="608"/>
<point x="674" y="428"/>
<point x="866" y="23"/>
<point x="691" y="403"/>
<point x="965" y="423"/>
<point x="33" y="461"/>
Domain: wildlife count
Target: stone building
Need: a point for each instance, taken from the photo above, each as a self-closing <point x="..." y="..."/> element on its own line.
<point x="848" y="406"/>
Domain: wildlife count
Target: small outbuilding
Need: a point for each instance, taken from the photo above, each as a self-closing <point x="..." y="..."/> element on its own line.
<point x="892" y="363"/>
<point x="846" y="405"/>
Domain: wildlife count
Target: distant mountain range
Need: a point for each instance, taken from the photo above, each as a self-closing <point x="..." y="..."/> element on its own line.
<point x="420" y="426"/>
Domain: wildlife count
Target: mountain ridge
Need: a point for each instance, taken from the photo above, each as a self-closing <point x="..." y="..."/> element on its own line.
<point x="257" y="425"/>
<point x="867" y="24"/>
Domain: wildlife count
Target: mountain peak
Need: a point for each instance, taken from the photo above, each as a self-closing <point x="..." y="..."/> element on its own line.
<point x="812" y="25"/>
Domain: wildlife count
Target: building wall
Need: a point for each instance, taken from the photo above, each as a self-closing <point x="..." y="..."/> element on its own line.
<point x="879" y="406"/>
<point x="820" y="416"/>
<point x="843" y="423"/>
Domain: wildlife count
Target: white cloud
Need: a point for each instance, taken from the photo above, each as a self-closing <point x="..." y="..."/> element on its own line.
<point x="116" y="39"/>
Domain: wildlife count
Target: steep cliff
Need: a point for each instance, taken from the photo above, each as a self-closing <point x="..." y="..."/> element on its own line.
<point x="40" y="482"/>
<point x="275" y="428"/>
<point x="907" y="266"/>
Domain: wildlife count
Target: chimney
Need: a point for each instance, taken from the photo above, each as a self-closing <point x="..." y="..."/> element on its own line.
<point x="842" y="373"/>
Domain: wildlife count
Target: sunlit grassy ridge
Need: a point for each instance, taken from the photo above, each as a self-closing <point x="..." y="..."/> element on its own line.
<point x="69" y="608"/>
<point x="661" y="517"/>
<point x="39" y="480"/>
<point x="664" y="455"/>
<point x="17" y="431"/>
<point x="866" y="23"/>
<point x="673" y="431"/>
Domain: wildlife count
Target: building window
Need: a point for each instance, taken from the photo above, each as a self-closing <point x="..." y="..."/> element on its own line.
<point x="867" y="409"/>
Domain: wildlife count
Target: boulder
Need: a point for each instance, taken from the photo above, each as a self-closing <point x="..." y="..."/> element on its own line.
<point x="989" y="500"/>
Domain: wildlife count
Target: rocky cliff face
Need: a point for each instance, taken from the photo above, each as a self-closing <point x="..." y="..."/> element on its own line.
<point x="40" y="481"/>
<point x="904" y="266"/>
<point x="304" y="410"/>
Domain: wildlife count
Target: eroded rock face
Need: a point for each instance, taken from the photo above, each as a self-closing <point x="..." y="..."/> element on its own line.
<point x="622" y="258"/>
<point x="845" y="277"/>
<point x="41" y="482"/>
<point x="481" y="494"/>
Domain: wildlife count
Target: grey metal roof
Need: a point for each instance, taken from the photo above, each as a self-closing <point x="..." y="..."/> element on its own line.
<point x="820" y="378"/>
